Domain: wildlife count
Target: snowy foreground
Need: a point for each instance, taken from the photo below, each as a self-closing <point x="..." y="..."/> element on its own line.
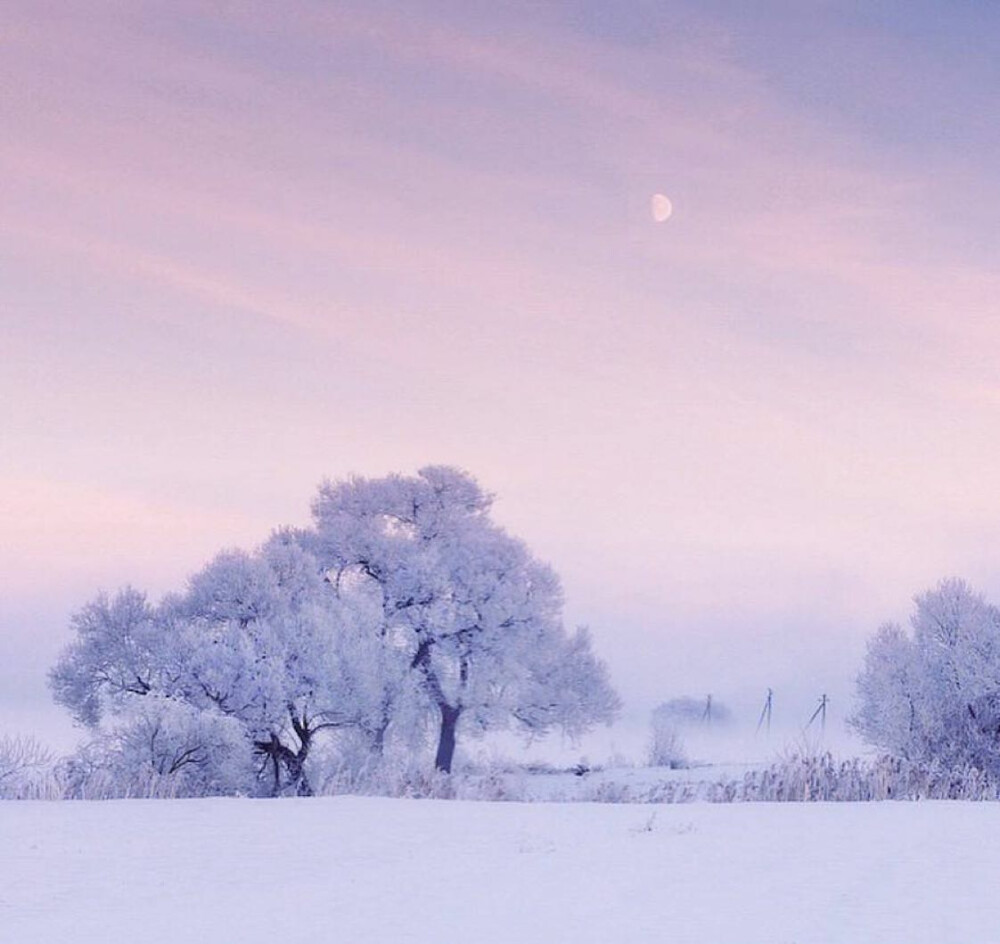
<point x="364" y="870"/>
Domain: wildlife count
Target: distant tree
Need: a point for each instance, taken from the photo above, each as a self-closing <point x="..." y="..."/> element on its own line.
<point x="476" y="618"/>
<point x="933" y="695"/>
<point x="669" y="721"/>
<point x="689" y="710"/>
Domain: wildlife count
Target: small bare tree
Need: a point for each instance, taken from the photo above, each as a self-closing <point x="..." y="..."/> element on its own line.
<point x="667" y="746"/>
<point x="23" y="761"/>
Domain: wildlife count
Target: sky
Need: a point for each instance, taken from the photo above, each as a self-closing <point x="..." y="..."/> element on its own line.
<point x="245" y="247"/>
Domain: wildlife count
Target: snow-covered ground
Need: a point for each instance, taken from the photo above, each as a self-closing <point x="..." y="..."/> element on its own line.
<point x="366" y="870"/>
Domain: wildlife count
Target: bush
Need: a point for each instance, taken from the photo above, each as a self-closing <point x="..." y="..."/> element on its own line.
<point x="667" y="747"/>
<point x="164" y="748"/>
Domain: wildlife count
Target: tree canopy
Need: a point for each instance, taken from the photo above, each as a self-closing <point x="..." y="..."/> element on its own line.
<point x="478" y="618"/>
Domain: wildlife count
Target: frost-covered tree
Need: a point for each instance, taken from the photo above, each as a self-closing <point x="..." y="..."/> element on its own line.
<point x="257" y="643"/>
<point x="687" y="710"/>
<point x="470" y="620"/>
<point x="934" y="694"/>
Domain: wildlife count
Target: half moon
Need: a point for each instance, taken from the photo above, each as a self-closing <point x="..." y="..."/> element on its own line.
<point x="661" y="207"/>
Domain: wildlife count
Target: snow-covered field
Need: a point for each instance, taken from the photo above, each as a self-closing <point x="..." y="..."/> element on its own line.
<point x="363" y="870"/>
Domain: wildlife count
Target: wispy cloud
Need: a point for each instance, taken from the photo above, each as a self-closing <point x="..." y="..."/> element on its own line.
<point x="69" y="538"/>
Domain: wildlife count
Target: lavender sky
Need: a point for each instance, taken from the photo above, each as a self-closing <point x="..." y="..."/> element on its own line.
<point x="244" y="246"/>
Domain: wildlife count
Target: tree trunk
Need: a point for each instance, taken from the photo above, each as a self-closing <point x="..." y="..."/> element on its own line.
<point x="292" y="762"/>
<point x="297" y="776"/>
<point x="446" y="739"/>
<point x="295" y="760"/>
<point x="276" y="781"/>
<point x="378" y="735"/>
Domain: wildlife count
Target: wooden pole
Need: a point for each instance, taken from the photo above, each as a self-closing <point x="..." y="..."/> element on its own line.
<point x="765" y="712"/>
<point x="820" y="713"/>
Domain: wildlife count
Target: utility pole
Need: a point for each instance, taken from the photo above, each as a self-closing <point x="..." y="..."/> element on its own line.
<point x="765" y="712"/>
<point x="820" y="712"/>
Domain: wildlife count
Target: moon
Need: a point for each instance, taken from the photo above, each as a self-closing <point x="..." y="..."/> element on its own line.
<point x="661" y="207"/>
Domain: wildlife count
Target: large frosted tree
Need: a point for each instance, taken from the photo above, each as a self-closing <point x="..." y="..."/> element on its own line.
<point x="476" y="616"/>
<point x="403" y="610"/>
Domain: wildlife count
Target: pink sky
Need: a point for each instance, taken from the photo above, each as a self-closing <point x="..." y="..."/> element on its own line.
<point x="244" y="247"/>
